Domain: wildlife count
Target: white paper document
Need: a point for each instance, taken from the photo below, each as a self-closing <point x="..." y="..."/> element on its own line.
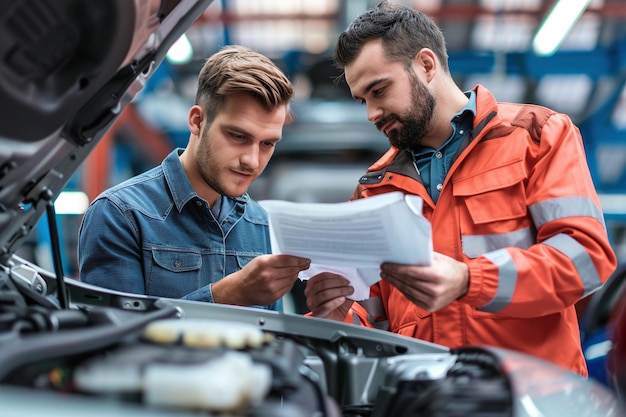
<point x="352" y="238"/>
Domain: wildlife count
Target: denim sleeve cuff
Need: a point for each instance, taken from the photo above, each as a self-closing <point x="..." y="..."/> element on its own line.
<point x="209" y="291"/>
<point x="202" y="294"/>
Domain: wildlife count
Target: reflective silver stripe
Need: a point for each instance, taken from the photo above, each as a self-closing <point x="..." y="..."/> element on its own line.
<point x="380" y="325"/>
<point x="542" y="213"/>
<point x="559" y="208"/>
<point x="581" y="259"/>
<point x="374" y="308"/>
<point x="507" y="278"/>
<point x="476" y="245"/>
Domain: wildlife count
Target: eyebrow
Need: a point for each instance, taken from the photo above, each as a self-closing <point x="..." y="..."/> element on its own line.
<point x="244" y="132"/>
<point x="371" y="85"/>
<point x="235" y="128"/>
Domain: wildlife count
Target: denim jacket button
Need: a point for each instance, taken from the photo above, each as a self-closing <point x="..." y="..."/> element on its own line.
<point x="178" y="263"/>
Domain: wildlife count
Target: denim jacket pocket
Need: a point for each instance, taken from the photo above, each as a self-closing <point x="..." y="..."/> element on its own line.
<point x="243" y="260"/>
<point x="173" y="273"/>
<point x="177" y="260"/>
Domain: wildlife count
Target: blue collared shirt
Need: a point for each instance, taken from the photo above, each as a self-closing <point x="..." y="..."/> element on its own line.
<point x="153" y="235"/>
<point x="434" y="164"/>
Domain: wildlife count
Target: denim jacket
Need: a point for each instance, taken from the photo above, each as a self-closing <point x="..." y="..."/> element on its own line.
<point x="153" y="235"/>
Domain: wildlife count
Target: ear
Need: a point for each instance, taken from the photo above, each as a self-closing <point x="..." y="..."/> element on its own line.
<point x="427" y="62"/>
<point x="195" y="119"/>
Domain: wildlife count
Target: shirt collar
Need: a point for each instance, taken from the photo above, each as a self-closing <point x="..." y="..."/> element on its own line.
<point x="469" y="109"/>
<point x="177" y="181"/>
<point x="463" y="116"/>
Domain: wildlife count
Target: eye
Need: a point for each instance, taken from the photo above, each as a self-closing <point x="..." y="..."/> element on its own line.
<point x="237" y="136"/>
<point x="269" y="144"/>
<point x="378" y="92"/>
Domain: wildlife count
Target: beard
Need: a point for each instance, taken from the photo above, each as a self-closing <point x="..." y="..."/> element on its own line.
<point x="415" y="122"/>
<point x="211" y="169"/>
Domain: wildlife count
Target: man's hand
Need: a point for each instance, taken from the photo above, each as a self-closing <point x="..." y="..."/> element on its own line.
<point x="431" y="287"/>
<point x="264" y="280"/>
<point x="326" y="296"/>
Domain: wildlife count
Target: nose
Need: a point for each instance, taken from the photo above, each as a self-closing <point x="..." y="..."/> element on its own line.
<point x="374" y="113"/>
<point x="250" y="157"/>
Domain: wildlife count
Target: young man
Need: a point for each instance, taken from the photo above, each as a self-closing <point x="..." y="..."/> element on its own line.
<point x="187" y="228"/>
<point x="518" y="232"/>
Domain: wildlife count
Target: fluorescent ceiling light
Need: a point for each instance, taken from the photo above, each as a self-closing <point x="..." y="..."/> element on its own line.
<point x="71" y="202"/>
<point x="181" y="51"/>
<point x="557" y="25"/>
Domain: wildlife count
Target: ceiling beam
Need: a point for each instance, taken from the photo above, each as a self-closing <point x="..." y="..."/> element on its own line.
<point x="600" y="62"/>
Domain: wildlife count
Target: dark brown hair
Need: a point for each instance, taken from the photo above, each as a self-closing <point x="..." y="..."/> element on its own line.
<point x="403" y="30"/>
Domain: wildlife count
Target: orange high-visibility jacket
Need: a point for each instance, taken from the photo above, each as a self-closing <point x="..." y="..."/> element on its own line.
<point x="518" y="206"/>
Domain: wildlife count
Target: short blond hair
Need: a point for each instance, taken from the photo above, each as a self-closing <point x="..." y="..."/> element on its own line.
<point x="238" y="69"/>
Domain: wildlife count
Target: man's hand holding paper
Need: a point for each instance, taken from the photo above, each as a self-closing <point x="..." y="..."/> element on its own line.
<point x="354" y="238"/>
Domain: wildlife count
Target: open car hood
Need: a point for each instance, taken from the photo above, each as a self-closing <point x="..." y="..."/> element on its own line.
<point x="68" y="68"/>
